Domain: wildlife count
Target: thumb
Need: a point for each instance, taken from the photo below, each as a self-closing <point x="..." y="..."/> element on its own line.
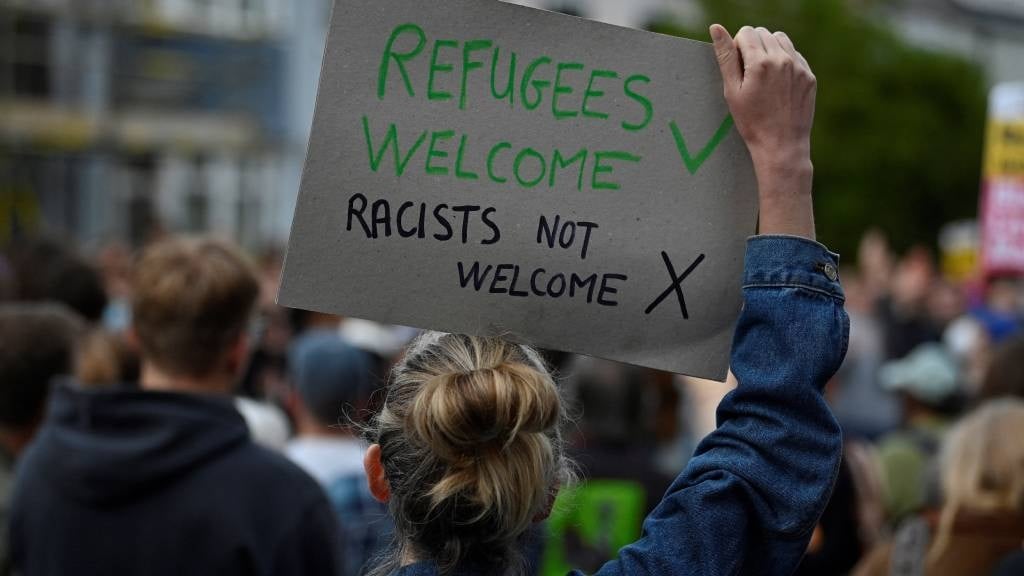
<point x="728" y="57"/>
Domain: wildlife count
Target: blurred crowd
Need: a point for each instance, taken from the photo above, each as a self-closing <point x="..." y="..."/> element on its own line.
<point x="931" y="400"/>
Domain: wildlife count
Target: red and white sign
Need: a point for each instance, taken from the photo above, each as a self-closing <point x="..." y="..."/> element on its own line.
<point x="1002" y="201"/>
<point x="1003" y="226"/>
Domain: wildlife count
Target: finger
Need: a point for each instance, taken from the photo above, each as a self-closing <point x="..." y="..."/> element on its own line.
<point x="804" y="68"/>
<point x="799" y="62"/>
<point x="770" y="42"/>
<point x="728" y="57"/>
<point x="803" y="62"/>
<point x="750" y="47"/>
<point x="748" y="39"/>
<point x="786" y="44"/>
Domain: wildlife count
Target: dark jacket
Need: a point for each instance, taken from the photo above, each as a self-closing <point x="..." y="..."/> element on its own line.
<point x="6" y="484"/>
<point x="750" y="497"/>
<point x="131" y="482"/>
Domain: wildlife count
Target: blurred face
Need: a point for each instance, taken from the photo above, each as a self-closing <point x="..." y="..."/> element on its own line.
<point x="875" y="261"/>
<point x="945" y="303"/>
<point x="914" y="278"/>
<point x="858" y="298"/>
<point x="1004" y="296"/>
<point x="115" y="264"/>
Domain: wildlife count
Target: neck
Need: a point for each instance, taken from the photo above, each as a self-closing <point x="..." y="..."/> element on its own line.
<point x="216" y="382"/>
<point x="308" y="426"/>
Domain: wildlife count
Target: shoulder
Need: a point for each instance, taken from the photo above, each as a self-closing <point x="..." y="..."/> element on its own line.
<point x="263" y="469"/>
<point x="266" y="489"/>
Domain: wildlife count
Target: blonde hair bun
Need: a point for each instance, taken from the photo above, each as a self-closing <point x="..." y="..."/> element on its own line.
<point x="459" y="414"/>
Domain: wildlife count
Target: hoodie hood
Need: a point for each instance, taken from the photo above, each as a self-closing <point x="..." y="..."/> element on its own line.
<point x="114" y="446"/>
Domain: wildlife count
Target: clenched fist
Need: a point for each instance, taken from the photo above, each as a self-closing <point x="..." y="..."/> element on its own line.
<point x="771" y="92"/>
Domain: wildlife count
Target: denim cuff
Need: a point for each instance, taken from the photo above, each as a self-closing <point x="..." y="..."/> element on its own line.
<point x="791" y="261"/>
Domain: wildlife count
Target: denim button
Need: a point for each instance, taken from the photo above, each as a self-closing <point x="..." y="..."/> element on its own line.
<point x="829" y="271"/>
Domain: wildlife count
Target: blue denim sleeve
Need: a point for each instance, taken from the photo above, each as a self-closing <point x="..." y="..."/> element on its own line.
<point x="749" y="498"/>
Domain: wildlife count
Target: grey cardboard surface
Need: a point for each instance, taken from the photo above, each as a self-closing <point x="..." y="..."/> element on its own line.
<point x="666" y="191"/>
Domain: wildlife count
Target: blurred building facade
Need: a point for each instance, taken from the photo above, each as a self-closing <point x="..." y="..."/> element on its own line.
<point x="634" y="13"/>
<point x="122" y="118"/>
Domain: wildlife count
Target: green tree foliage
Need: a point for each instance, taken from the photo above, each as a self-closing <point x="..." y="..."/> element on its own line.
<point x="899" y="130"/>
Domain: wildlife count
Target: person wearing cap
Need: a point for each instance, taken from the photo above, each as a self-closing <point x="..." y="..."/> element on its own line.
<point x="332" y="380"/>
<point x="928" y="384"/>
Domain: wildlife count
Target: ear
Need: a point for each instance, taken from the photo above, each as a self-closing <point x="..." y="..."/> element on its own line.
<point x="375" y="476"/>
<point x="238" y="354"/>
<point x="292" y="400"/>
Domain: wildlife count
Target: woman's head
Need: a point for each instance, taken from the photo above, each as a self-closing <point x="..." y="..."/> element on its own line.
<point x="983" y="459"/>
<point x="469" y="448"/>
<point x="983" y="466"/>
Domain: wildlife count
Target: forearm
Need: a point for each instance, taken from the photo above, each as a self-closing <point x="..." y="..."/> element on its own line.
<point x="784" y="188"/>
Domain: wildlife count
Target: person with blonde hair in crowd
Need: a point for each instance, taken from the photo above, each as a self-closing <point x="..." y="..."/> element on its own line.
<point x="982" y="516"/>
<point x="467" y="448"/>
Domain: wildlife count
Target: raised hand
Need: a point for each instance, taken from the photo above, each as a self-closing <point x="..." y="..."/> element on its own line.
<point x="771" y="92"/>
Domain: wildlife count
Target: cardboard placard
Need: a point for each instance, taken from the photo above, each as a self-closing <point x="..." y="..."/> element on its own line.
<point x="486" y="168"/>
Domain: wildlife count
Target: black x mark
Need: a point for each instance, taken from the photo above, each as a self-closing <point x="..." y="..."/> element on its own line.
<point x="676" y="281"/>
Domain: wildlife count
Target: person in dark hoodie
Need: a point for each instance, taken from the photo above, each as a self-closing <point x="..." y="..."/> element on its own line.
<point x="37" y="344"/>
<point x="165" y="479"/>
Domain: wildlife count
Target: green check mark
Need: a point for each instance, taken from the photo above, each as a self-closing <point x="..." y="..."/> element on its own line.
<point x="693" y="163"/>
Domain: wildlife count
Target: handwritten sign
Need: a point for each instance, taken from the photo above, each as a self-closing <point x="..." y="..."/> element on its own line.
<point x="481" y="167"/>
<point x="1002" y="204"/>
